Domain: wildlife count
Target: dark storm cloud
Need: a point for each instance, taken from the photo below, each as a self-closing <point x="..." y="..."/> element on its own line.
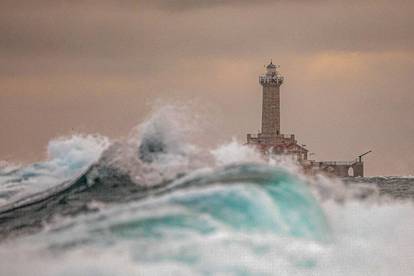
<point x="186" y="5"/>
<point x="175" y="5"/>
<point x="113" y="29"/>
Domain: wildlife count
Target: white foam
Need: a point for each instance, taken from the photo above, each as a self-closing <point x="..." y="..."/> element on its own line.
<point x="67" y="158"/>
<point x="235" y="152"/>
<point x="367" y="240"/>
<point x="172" y="127"/>
<point x="370" y="237"/>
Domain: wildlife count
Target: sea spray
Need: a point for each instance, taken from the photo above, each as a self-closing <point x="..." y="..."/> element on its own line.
<point x="189" y="210"/>
<point x="157" y="150"/>
<point x="67" y="158"/>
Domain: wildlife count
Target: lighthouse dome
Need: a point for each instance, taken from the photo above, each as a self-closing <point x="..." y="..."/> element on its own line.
<point x="271" y="66"/>
<point x="271" y="69"/>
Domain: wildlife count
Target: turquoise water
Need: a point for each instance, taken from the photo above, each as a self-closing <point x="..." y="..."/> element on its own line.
<point x="234" y="208"/>
<point x="135" y="208"/>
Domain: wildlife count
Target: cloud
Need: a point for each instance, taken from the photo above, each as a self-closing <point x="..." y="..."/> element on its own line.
<point x="117" y="29"/>
<point x="351" y="54"/>
<point x="188" y="5"/>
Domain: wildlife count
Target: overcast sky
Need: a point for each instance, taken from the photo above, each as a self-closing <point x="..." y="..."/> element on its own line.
<point x="99" y="66"/>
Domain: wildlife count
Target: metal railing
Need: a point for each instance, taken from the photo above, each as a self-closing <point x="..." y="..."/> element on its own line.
<point x="346" y="163"/>
<point x="274" y="78"/>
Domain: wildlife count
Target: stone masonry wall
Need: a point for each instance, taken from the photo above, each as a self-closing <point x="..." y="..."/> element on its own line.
<point x="271" y="109"/>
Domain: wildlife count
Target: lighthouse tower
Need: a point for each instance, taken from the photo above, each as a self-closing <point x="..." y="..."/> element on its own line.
<point x="271" y="83"/>
<point x="270" y="140"/>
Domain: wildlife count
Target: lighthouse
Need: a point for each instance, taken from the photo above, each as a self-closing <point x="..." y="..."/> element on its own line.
<point x="271" y="82"/>
<point x="270" y="140"/>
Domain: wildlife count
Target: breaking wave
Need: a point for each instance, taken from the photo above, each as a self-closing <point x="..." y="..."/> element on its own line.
<point x="154" y="203"/>
<point x="68" y="158"/>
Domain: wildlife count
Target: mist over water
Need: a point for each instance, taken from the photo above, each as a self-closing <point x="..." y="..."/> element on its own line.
<point x="157" y="203"/>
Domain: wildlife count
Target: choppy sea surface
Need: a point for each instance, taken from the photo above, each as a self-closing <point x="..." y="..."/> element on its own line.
<point x="155" y="203"/>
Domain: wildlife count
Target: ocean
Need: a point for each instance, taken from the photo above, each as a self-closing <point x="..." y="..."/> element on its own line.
<point x="154" y="203"/>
